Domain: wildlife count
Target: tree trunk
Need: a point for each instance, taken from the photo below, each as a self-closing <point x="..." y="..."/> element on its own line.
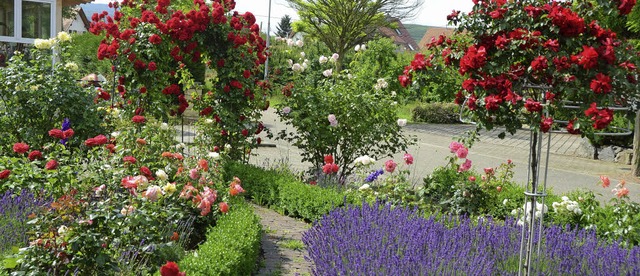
<point x="636" y="146"/>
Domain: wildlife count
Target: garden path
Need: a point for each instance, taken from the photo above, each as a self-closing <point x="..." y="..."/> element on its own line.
<point x="283" y="250"/>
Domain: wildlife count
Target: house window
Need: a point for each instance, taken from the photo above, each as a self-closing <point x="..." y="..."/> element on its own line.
<point x="411" y="47"/>
<point x="398" y="32"/>
<point x="36" y="19"/>
<point x="22" y="21"/>
<point x="6" y="18"/>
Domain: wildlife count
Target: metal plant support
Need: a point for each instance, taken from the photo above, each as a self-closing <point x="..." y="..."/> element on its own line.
<point x="536" y="188"/>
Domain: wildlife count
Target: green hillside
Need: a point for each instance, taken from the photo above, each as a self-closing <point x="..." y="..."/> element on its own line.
<point x="416" y="31"/>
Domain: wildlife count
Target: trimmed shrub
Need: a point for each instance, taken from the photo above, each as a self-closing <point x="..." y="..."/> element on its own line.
<point x="380" y="240"/>
<point x="283" y="192"/>
<point x="436" y="113"/>
<point x="232" y="246"/>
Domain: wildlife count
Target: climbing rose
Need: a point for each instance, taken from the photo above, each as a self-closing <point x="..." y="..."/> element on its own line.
<point x="462" y="152"/>
<point x="454" y="146"/>
<point x="545" y="124"/>
<point x="601" y="84"/>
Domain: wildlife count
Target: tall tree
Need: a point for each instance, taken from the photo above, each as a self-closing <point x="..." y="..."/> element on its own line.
<point x="342" y="24"/>
<point x="284" y="27"/>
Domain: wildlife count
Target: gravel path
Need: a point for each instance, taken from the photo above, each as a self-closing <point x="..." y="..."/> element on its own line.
<point x="282" y="247"/>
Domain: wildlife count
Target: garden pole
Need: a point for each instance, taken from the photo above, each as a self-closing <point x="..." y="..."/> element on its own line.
<point x="266" y="63"/>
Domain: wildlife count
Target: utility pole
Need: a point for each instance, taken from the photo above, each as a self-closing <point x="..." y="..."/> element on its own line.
<point x="266" y="63"/>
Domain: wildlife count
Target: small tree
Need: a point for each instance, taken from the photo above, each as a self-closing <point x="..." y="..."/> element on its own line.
<point x="284" y="27"/>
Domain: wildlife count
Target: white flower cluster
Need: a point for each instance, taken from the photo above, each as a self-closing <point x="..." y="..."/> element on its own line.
<point x="43" y="44"/>
<point x="525" y="216"/>
<point x="380" y="84"/>
<point x="298" y="43"/>
<point x="364" y="161"/>
<point x="567" y="206"/>
<point x="362" y="47"/>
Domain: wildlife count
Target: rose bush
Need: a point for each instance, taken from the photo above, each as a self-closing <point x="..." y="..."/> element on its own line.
<point x="36" y="95"/>
<point x="157" y="47"/>
<point x="344" y="114"/>
<point x="552" y="45"/>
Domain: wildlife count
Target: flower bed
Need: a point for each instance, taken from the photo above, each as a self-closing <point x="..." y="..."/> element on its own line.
<point x="379" y="240"/>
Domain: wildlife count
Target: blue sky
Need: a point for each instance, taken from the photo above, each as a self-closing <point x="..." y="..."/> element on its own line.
<point x="432" y="13"/>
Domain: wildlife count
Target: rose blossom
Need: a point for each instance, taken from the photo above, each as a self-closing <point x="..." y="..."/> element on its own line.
<point x="5" y="174"/>
<point x="51" y="165"/>
<point x="454" y="146"/>
<point x="390" y="166"/>
<point x="327" y="73"/>
<point x="323" y="59"/>
<point x="605" y="181"/>
<point x="462" y="152"/>
<point x="408" y="158"/>
<point x="465" y="166"/>
<point x="153" y="192"/>
<point x="402" y="122"/>
<point x="20" y="148"/>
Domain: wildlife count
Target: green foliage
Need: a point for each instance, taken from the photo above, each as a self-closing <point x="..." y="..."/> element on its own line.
<point x="232" y="246"/>
<point x="343" y="114"/>
<point x="36" y="95"/>
<point x="83" y="52"/>
<point x="284" y="27"/>
<point x="282" y="191"/>
<point x="436" y="113"/>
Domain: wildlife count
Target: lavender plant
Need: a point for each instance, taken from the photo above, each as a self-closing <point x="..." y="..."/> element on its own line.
<point x="380" y="240"/>
<point x="15" y="209"/>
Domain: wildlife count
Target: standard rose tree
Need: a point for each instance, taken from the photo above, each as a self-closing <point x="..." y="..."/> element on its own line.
<point x="552" y="45"/>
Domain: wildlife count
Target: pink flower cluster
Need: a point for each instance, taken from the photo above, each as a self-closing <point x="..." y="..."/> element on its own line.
<point x="461" y="152"/>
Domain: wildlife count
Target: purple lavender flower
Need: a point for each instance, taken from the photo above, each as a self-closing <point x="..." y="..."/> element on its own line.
<point x="380" y="240"/>
<point x="14" y="211"/>
<point x="373" y="176"/>
<point x="66" y="124"/>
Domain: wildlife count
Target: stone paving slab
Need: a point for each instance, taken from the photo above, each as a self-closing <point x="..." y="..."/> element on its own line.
<point x="278" y="231"/>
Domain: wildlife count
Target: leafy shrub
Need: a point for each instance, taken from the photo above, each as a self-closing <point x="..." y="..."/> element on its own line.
<point x="436" y="113"/>
<point x="379" y="240"/>
<point x="344" y="114"/>
<point x="232" y="246"/>
<point x="282" y="191"/>
<point x="36" y="95"/>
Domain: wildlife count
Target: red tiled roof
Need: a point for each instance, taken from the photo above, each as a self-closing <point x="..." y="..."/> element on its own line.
<point x="434" y="32"/>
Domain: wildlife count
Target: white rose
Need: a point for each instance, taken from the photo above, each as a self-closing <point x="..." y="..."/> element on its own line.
<point x="363" y="47"/>
<point x="299" y="43"/>
<point x="335" y="57"/>
<point x="162" y="175"/>
<point x="327" y="73"/>
<point x="213" y="155"/>
<point x="357" y="48"/>
<point x="62" y="230"/>
<point x="364" y="187"/>
<point x="402" y="122"/>
<point x="297" y="68"/>
<point x="71" y="66"/>
<point x="115" y="134"/>
<point x="302" y="54"/>
<point x="64" y="36"/>
<point x="42" y="44"/>
<point x="290" y="62"/>
<point x="323" y="59"/>
<point x="290" y="42"/>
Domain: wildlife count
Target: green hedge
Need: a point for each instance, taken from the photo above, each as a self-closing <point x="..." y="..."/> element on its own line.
<point x="436" y="113"/>
<point x="232" y="246"/>
<point x="283" y="192"/>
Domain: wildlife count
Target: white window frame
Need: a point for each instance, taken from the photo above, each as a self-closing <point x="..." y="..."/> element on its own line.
<point x="17" y="24"/>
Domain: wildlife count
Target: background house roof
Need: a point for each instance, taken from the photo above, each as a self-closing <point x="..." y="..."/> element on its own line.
<point x="434" y="33"/>
<point x="399" y="35"/>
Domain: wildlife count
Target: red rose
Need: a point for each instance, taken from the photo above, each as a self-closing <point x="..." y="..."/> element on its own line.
<point x="245" y="132"/>
<point x="56" y="133"/>
<point x="68" y="133"/>
<point x="601" y="84"/>
<point x="545" y="124"/>
<point x="404" y="80"/>
<point x="532" y="106"/>
<point x="138" y="119"/>
<point x="51" y="165"/>
<point x="5" y="174"/>
<point x="152" y="66"/>
<point x="626" y="6"/>
<point x="20" y="148"/>
<point x="206" y="111"/>
<point x="246" y="74"/>
<point x="111" y="148"/>
<point x="539" y="63"/>
<point x="171" y="269"/>
<point x="155" y="39"/>
<point x="588" y="58"/>
<point x="328" y="159"/>
<point x="224" y="207"/>
<point x="96" y="141"/>
<point x="36" y="154"/>
<point x="146" y="171"/>
<point x="571" y="128"/>
<point x="129" y="160"/>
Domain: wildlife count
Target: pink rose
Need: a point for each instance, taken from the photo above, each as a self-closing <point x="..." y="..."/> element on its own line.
<point x="454" y="146"/>
<point x="465" y="166"/>
<point x="193" y="173"/>
<point x="462" y="152"/>
<point x="390" y="166"/>
<point x="408" y="158"/>
<point x="153" y="192"/>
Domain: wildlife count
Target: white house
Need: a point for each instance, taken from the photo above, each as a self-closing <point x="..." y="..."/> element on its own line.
<point x="22" y="21"/>
<point x="79" y="24"/>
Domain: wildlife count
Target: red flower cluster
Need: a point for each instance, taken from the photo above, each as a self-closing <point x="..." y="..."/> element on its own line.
<point x="20" y="148"/>
<point x="96" y="141"/>
<point x="474" y="58"/>
<point x="570" y="23"/>
<point x="59" y="134"/>
<point x="601" y="84"/>
<point x="170" y="268"/>
<point x="600" y="117"/>
<point x="329" y="167"/>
